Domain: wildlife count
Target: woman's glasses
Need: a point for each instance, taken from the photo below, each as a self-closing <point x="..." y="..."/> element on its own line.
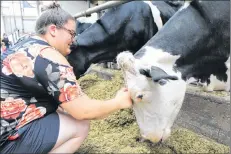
<point x="71" y="32"/>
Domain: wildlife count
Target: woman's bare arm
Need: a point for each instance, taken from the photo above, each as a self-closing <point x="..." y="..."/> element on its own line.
<point x="82" y="107"/>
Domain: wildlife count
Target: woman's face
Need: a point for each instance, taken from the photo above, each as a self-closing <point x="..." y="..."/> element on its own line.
<point x="65" y="37"/>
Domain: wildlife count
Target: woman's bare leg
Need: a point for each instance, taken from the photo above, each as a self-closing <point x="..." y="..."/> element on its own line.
<point x="72" y="133"/>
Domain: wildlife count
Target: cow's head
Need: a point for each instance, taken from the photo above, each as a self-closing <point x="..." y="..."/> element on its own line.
<point x="157" y="96"/>
<point x="84" y="54"/>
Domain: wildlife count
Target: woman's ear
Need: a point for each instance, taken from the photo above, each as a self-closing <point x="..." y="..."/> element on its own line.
<point x="52" y="30"/>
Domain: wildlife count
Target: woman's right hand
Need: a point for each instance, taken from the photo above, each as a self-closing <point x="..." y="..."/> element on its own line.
<point x="123" y="97"/>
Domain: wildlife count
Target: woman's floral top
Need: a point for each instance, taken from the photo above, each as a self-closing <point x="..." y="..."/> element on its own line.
<point x="32" y="86"/>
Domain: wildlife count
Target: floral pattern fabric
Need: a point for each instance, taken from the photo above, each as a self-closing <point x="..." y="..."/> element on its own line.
<point x="18" y="64"/>
<point x="32" y="87"/>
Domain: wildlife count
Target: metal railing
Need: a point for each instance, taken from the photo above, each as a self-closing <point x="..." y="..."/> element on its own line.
<point x="98" y="8"/>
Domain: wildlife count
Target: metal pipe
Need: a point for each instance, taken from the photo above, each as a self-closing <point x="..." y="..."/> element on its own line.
<point x="89" y="4"/>
<point x="15" y="26"/>
<point x="37" y="5"/>
<point x="99" y="8"/>
<point x="21" y="16"/>
<point x="10" y="12"/>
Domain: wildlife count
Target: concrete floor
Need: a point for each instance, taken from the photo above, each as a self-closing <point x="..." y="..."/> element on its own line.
<point x="206" y="114"/>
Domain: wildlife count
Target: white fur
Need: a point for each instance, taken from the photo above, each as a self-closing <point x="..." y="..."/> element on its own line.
<point x="92" y="19"/>
<point x="157" y="110"/>
<point x="158" y="56"/>
<point x="164" y="60"/>
<point x="191" y="80"/>
<point x="216" y="84"/>
<point x="186" y="4"/>
<point x="155" y="14"/>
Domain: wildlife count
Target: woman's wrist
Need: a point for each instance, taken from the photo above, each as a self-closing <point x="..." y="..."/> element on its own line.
<point x="116" y="103"/>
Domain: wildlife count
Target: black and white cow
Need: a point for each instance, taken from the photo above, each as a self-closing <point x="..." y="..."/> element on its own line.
<point x="193" y="45"/>
<point x="197" y="40"/>
<point x="125" y="27"/>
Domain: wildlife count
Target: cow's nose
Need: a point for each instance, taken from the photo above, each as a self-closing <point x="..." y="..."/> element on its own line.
<point x="74" y="41"/>
<point x="140" y="96"/>
<point x="155" y="139"/>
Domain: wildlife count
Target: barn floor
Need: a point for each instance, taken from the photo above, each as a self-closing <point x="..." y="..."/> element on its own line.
<point x="119" y="132"/>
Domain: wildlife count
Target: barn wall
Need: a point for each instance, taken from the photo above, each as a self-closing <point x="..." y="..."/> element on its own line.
<point x="74" y="7"/>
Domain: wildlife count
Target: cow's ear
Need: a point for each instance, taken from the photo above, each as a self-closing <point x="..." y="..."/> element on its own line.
<point x="158" y="75"/>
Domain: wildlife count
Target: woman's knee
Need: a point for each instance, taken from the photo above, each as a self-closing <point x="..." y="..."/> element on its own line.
<point x="77" y="128"/>
<point x="84" y="128"/>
